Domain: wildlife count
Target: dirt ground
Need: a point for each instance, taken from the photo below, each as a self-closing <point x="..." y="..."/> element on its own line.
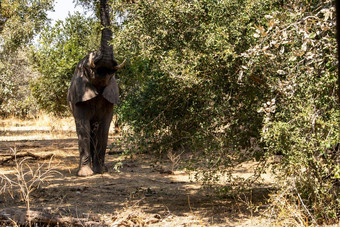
<point x="138" y="190"/>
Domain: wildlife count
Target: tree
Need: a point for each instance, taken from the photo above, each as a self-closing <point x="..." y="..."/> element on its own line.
<point x="20" y="21"/>
<point x="60" y="49"/>
<point x="183" y="89"/>
<point x="15" y="75"/>
<point x="296" y="53"/>
<point x="234" y="81"/>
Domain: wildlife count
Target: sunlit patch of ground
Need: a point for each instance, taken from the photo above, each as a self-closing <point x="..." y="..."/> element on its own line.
<point x="44" y="127"/>
<point x="136" y="189"/>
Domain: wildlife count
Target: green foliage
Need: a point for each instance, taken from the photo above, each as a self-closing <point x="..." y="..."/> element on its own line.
<point x="182" y="88"/>
<point x="296" y="53"/>
<point x="234" y="81"/>
<point x="15" y="74"/>
<point x="20" y="20"/>
<point x="229" y="81"/>
<point x="60" y="49"/>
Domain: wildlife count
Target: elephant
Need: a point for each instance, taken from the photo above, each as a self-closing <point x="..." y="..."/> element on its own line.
<point x="92" y="94"/>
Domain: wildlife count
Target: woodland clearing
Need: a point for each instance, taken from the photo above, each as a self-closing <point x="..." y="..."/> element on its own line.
<point x="138" y="189"/>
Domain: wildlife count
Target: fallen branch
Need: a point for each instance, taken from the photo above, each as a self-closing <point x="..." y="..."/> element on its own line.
<point x="28" y="154"/>
<point x="21" y="217"/>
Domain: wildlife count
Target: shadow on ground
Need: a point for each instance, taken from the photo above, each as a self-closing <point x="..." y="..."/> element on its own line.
<point x="132" y="184"/>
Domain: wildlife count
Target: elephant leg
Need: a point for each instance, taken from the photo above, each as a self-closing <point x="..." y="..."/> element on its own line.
<point x="93" y="140"/>
<point x="101" y="137"/>
<point x="85" y="161"/>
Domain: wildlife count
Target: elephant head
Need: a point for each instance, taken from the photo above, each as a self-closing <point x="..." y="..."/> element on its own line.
<point x="94" y="74"/>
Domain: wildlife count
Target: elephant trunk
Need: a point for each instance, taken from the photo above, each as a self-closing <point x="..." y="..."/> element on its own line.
<point x="106" y="59"/>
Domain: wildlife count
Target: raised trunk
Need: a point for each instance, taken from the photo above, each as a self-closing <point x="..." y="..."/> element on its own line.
<point x="106" y="59"/>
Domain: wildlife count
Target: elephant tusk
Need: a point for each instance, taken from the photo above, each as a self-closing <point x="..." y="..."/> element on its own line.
<point x="121" y="65"/>
<point x="91" y="57"/>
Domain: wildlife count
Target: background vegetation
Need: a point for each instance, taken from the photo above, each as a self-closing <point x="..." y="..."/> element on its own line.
<point x="58" y="51"/>
<point x="224" y="82"/>
<point x="20" y="21"/>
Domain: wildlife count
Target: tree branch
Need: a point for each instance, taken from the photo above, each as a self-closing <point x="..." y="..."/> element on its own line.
<point x="28" y="154"/>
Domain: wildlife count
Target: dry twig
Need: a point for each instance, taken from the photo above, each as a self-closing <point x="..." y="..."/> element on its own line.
<point x="26" y="155"/>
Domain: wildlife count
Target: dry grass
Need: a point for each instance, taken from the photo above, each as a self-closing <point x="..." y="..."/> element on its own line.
<point x="42" y="120"/>
<point x="44" y="126"/>
<point x="139" y="194"/>
<point x="286" y="208"/>
<point x="26" y="180"/>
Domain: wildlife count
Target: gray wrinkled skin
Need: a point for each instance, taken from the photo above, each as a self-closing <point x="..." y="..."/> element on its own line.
<point x="91" y="97"/>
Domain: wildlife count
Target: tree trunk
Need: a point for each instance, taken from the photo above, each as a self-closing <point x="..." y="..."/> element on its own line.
<point x="107" y="59"/>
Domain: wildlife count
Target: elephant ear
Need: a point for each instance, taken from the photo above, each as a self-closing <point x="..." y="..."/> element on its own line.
<point x="111" y="91"/>
<point x="81" y="89"/>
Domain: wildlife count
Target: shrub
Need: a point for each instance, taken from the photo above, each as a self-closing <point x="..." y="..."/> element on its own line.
<point x="296" y="52"/>
<point x="234" y="81"/>
<point x="182" y="89"/>
<point x="15" y="96"/>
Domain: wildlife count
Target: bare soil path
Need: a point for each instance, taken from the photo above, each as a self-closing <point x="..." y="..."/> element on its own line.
<point x="138" y="190"/>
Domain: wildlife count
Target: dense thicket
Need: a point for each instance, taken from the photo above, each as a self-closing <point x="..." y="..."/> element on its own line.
<point x="236" y="81"/>
<point x="296" y="53"/>
<point x="183" y="87"/>
<point x="15" y="75"/>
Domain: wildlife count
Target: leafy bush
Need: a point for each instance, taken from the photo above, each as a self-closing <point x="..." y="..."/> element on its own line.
<point x="60" y="49"/>
<point x="182" y="89"/>
<point x="19" y="21"/>
<point x="234" y="81"/>
<point x="296" y="52"/>
<point x="15" y="97"/>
